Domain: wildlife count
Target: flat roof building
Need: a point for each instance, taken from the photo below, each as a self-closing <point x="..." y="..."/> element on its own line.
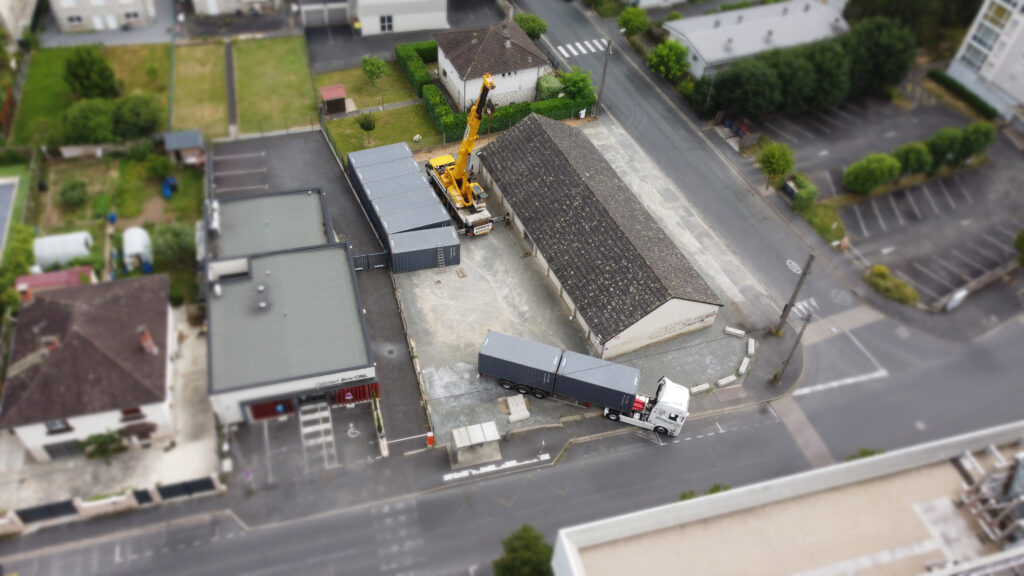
<point x="717" y="40"/>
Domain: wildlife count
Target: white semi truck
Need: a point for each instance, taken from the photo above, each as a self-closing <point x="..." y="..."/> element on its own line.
<point x="544" y="371"/>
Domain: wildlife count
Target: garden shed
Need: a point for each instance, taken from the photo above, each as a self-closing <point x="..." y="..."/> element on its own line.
<point x="333" y="99"/>
<point x="61" y="248"/>
<point x="138" y="248"/>
<point x="185" y="147"/>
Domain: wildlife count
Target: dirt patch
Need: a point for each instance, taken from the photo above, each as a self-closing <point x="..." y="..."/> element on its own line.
<point x="152" y="211"/>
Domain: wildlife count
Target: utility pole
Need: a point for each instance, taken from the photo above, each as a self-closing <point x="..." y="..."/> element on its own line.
<point x="778" y="375"/>
<point x="781" y="326"/>
<point x="604" y="70"/>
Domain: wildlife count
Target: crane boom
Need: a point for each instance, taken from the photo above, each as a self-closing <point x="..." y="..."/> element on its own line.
<point x="469" y="138"/>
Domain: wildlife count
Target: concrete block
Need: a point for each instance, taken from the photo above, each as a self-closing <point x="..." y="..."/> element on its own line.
<point x="517" y="410"/>
<point x="744" y="365"/>
<point x="735" y="332"/>
<point x="701" y="388"/>
<point x="726" y="381"/>
<point x="751" y="346"/>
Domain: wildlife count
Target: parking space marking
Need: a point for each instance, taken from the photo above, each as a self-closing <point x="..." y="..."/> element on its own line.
<point x="860" y="219"/>
<point x="781" y="133"/>
<point x="843" y="114"/>
<point x="963" y="190"/>
<point x="820" y="126"/>
<point x="799" y="128"/>
<point x="918" y="285"/>
<point x="879" y="372"/>
<point x="896" y="210"/>
<point x="239" y="189"/>
<point x="829" y="120"/>
<point x="983" y="252"/>
<point x="953" y="271"/>
<point x="1011" y="235"/>
<point x="933" y="276"/>
<point x="931" y="200"/>
<point x="878" y="215"/>
<point x="948" y="197"/>
<point x="1000" y="245"/>
<point x="238" y="156"/>
<point x="913" y="203"/>
<point x="970" y="262"/>
<point x="239" y="172"/>
<point x="831" y="183"/>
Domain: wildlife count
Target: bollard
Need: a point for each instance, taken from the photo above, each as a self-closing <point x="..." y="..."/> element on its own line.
<point x="430" y="439"/>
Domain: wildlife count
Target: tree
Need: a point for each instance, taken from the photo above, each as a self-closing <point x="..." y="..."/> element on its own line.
<point x="89" y="75"/>
<point x="975" y="139"/>
<point x="534" y="26"/>
<point x="367" y="123"/>
<point x="871" y="172"/>
<point x="577" y="84"/>
<point x="73" y="194"/>
<point x="548" y="87"/>
<point x="776" y="160"/>
<point x="634" y="20"/>
<point x="945" y="147"/>
<point x="1019" y="244"/>
<point x="526" y="554"/>
<point x="748" y="88"/>
<point x="136" y="116"/>
<point x="804" y="198"/>
<point x="174" y="245"/>
<point x="89" y="122"/>
<point x="831" y="72"/>
<point x="914" y="158"/>
<point x="799" y="82"/>
<point x="701" y="96"/>
<point x="158" y="166"/>
<point x="881" y="52"/>
<point x="669" y="61"/>
<point x="374" y="69"/>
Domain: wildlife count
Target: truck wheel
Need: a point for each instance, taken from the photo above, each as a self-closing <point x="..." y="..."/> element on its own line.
<point x="613" y="416"/>
<point x="661" y="430"/>
<point x="523" y="390"/>
<point x="507" y="385"/>
<point x="539" y="394"/>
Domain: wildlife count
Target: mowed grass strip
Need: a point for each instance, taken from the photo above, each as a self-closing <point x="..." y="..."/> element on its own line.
<point x="398" y="125"/>
<point x="144" y="69"/>
<point x="201" y="89"/>
<point x="394" y="87"/>
<point x="272" y="86"/>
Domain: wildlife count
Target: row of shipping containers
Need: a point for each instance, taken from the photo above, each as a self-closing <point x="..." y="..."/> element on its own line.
<point x="555" y="371"/>
<point x="403" y="208"/>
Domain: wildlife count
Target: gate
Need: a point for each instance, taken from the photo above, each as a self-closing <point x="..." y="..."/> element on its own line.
<point x="361" y="393"/>
<point x="370" y="261"/>
<point x="190" y="488"/>
<point x="47" y="511"/>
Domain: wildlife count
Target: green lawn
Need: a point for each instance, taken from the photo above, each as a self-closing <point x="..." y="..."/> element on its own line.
<point x="397" y="125"/>
<point x="272" y="85"/>
<point x="394" y="87"/>
<point x="200" y="89"/>
<point x="132" y="189"/>
<point x="186" y="205"/>
<point x="45" y="96"/>
<point x="824" y="218"/>
<point x="144" y="69"/>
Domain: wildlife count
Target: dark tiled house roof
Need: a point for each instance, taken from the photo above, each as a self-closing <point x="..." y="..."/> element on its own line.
<point x="495" y="49"/>
<point x="98" y="363"/>
<point x="606" y="250"/>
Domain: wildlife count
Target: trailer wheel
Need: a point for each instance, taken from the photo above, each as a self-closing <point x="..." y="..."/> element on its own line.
<point x="522" y="390"/>
<point x="661" y="430"/>
<point x="506" y="384"/>
<point x="539" y="394"/>
<point x="613" y="416"/>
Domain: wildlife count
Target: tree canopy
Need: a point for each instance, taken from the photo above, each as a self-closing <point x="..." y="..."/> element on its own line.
<point x="136" y="116"/>
<point x="798" y="78"/>
<point x="871" y="172"/>
<point x="748" y="88"/>
<point x="914" y="158"/>
<point x="945" y="147"/>
<point x="831" y="72"/>
<point x="669" y="61"/>
<point x="374" y="69"/>
<point x="89" y="122"/>
<point x="534" y="26"/>
<point x="880" y="51"/>
<point x="634" y="20"/>
<point x="776" y="159"/>
<point x="89" y="75"/>
<point x="975" y="139"/>
<point x="576" y="84"/>
<point x="526" y="554"/>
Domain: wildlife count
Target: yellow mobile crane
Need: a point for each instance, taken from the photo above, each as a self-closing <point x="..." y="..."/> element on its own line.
<point x="466" y="200"/>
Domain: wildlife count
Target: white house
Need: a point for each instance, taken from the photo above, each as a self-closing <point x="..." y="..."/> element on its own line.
<point x="95" y="15"/>
<point x="502" y="50"/>
<point x="990" y="60"/>
<point x="717" y="40"/>
<point x="372" y="17"/>
<point x="625" y="282"/>
<point x="88" y="360"/>
<point x="16" y="16"/>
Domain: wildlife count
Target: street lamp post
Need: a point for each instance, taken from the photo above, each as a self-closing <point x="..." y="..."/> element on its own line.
<point x="604" y="71"/>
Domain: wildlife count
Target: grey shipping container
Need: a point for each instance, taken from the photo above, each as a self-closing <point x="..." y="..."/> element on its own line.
<point x="389" y="170"/>
<point x="518" y="361"/>
<point x="597" y="381"/>
<point x="398" y="184"/>
<point x="408" y="201"/>
<point x="420" y="219"/>
<point x="379" y="155"/>
<point x="423" y="249"/>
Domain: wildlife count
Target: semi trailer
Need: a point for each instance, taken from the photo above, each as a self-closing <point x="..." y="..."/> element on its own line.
<point x="546" y="371"/>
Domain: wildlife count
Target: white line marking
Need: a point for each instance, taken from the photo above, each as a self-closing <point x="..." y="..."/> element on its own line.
<point x="1002" y="248"/>
<point x="597" y="43"/>
<point x="843" y="114"/>
<point x="239" y="189"/>
<point x="493" y="468"/>
<point x="931" y="201"/>
<point x="1010" y="235"/>
<point x="878" y="214"/>
<point x="952" y="270"/>
<point x="863" y="229"/>
<point x="831" y="183"/>
<point x="589" y="46"/>
<point x="573" y="50"/>
<point x="604" y="42"/>
<point x="966" y="259"/>
<point x="799" y="128"/>
<point x="776" y="129"/>
<point x="956" y="178"/>
<point x="918" y="285"/>
<point x="564" y="53"/>
<point x="948" y="197"/>
<point x="895" y="209"/>
<point x="719" y="426"/>
<point x="390" y="442"/>
<point x="983" y="252"/>
<point x="240" y="172"/>
<point x="829" y="120"/>
<point x="580" y="46"/>
<point x="879" y="372"/>
<point x="238" y="156"/>
<point x="933" y="276"/>
<point x="820" y="126"/>
<point x="913" y="203"/>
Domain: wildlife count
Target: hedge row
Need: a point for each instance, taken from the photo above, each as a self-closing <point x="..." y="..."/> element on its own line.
<point x="962" y="92"/>
<point x="410" y="58"/>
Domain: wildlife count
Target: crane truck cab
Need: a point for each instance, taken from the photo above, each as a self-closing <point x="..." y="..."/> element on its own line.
<point x="665" y="413"/>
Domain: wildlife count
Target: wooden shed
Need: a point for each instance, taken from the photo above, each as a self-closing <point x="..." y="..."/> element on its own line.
<point x="333" y="99"/>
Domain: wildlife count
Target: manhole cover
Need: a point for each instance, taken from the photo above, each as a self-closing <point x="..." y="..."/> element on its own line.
<point x="793" y="266"/>
<point x="390" y="352"/>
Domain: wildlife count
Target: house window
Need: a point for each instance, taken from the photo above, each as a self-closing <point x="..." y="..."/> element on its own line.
<point x="131" y="15"/>
<point x="997" y="15"/>
<point x="386" y="24"/>
<point x="74" y="19"/>
<point x="68" y="4"/>
<point x="129" y="414"/>
<point x="985" y="36"/>
<point x="973" y="57"/>
<point x="57" y="426"/>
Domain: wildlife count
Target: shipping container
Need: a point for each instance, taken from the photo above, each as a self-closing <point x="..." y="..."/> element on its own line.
<point x="518" y="361"/>
<point x="396" y="185"/>
<point x="420" y="219"/>
<point x="411" y="200"/>
<point x="423" y="249"/>
<point x="597" y="381"/>
<point x="379" y="155"/>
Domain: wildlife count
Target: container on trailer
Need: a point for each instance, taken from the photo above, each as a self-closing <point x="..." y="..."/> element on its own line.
<point x="423" y="249"/>
<point x="597" y="381"/>
<point x="519" y="361"/>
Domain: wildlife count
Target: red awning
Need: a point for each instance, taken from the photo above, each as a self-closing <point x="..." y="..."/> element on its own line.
<point x="329" y="93"/>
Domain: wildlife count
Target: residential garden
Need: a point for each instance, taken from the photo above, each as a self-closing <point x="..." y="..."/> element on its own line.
<point x="273" y="90"/>
<point x="200" y="89"/>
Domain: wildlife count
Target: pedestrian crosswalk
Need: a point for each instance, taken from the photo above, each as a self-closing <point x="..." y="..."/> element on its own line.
<point x="584" y="47"/>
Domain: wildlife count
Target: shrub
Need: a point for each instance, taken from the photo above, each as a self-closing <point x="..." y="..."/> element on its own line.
<point x="673" y="15"/>
<point x="735" y="6"/>
<point x="804" y="198"/>
<point x="136" y="116"/>
<point x="426" y="50"/>
<point x="669" y="60"/>
<point x="688" y="495"/>
<point x="526" y="552"/>
<point x="448" y="123"/>
<point x="964" y="93"/>
<point x="174" y="245"/>
<point x="577" y="84"/>
<point x="73" y="194"/>
<point x="158" y="166"/>
<point x="408" y="58"/>
<point x="9" y="157"/>
<point x="944" y="146"/>
<point x="89" y="75"/>
<point x="775" y="159"/>
<point x="975" y="139"/>
<point x="141" y="151"/>
<point x="101" y="205"/>
<point x="548" y="87"/>
<point x="882" y="280"/>
<point x="871" y="172"/>
<point x="1018" y="243"/>
<point x="531" y="24"/>
<point x="634" y="20"/>
<point x="175" y="297"/>
<point x="89" y="122"/>
<point x="914" y="158"/>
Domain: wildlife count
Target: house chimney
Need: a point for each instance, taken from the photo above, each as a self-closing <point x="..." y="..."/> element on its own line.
<point x="51" y="343"/>
<point x="146" y="340"/>
<point x="26" y="294"/>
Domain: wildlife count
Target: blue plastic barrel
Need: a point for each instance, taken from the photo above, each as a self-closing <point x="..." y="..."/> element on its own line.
<point x="147" y="268"/>
<point x="112" y="218"/>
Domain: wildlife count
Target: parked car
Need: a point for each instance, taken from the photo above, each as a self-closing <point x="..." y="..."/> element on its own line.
<point x="789" y="189"/>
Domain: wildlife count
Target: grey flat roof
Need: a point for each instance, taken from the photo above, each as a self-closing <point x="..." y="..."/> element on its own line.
<point x="415" y="198"/>
<point x="600" y="372"/>
<point x="433" y="216"/>
<point x="183" y="139"/>
<point x="311" y="325"/>
<point x="420" y="239"/>
<point x="727" y="36"/>
<point x="271" y="224"/>
<point x="379" y="155"/>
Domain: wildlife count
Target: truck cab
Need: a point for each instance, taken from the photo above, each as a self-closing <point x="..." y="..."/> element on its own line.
<point x="671" y="407"/>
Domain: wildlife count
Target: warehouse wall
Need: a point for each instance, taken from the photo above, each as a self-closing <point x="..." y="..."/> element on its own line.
<point x="669" y="320"/>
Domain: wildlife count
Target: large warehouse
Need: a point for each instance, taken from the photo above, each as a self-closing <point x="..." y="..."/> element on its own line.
<point x="285" y="321"/>
<point x="626" y="284"/>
